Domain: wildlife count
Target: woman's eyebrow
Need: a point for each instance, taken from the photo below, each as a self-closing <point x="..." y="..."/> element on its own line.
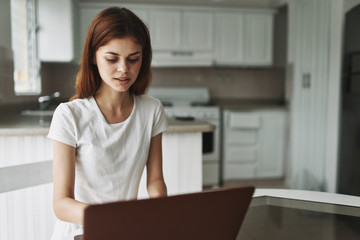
<point x="116" y="54"/>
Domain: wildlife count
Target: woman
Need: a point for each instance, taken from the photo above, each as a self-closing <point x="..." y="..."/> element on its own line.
<point x="106" y="135"/>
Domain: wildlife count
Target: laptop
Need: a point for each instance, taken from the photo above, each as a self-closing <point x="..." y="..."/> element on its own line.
<point x="214" y="214"/>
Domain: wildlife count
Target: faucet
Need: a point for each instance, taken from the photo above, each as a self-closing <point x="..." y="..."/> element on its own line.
<point x="45" y="101"/>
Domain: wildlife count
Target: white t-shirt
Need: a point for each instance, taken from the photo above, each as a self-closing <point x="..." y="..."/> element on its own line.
<point x="110" y="158"/>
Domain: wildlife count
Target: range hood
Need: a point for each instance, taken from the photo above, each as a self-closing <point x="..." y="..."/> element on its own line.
<point x="182" y="59"/>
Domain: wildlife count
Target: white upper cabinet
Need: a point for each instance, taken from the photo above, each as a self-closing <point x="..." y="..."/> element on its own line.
<point x="165" y="29"/>
<point x="181" y="30"/>
<point x="259" y="39"/>
<point x="197" y="31"/>
<point x="56" y="30"/>
<point x="193" y="36"/>
<point x="181" y="37"/>
<point x="244" y="38"/>
<point x="230" y="39"/>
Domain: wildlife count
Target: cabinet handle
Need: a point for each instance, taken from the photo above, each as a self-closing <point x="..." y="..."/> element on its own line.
<point x="181" y="53"/>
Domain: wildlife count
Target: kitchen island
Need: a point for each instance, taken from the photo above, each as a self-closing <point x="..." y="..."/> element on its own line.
<point x="23" y="140"/>
<point x="297" y="214"/>
<point x="26" y="170"/>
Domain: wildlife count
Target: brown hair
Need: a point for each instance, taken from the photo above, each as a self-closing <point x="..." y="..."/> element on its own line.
<point x="112" y="23"/>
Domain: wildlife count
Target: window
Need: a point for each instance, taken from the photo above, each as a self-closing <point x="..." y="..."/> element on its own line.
<point x="27" y="80"/>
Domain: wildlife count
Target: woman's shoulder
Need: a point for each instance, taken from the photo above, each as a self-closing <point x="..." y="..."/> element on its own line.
<point x="76" y="105"/>
<point x="147" y="101"/>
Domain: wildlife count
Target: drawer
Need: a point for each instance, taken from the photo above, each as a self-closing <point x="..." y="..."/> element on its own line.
<point x="243" y="121"/>
<point x="235" y="154"/>
<point x="242" y="137"/>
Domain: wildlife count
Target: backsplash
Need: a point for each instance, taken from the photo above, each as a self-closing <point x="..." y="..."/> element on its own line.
<point x="223" y="83"/>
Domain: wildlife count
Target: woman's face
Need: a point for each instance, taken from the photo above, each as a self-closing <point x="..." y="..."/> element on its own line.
<point x="119" y="63"/>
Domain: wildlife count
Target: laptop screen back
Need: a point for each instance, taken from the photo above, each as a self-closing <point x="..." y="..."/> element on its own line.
<point x="216" y="214"/>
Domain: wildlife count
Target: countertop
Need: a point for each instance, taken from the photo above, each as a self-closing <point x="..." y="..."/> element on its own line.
<point x="18" y="125"/>
<point x="13" y="123"/>
<point x="311" y="196"/>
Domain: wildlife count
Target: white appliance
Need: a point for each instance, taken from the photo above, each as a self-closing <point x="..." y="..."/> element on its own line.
<point x="194" y="102"/>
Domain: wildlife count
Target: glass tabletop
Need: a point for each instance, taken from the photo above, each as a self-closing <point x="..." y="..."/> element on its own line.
<point x="271" y="217"/>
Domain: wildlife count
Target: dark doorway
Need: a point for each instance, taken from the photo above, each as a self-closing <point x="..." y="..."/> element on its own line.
<point x="349" y="154"/>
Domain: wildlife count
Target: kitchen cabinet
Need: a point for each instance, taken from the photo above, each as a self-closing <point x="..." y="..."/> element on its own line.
<point x="181" y="37"/>
<point x="194" y="36"/>
<point x="181" y="30"/>
<point x="258" y="39"/>
<point x="165" y="29"/>
<point x="244" y="38"/>
<point x="28" y="208"/>
<point x="55" y="34"/>
<point x="182" y="164"/>
<point x="26" y="172"/>
<point x="253" y="144"/>
<point x="230" y="39"/>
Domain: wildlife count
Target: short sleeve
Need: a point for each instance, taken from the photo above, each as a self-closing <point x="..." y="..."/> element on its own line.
<point x="160" y="121"/>
<point x="62" y="126"/>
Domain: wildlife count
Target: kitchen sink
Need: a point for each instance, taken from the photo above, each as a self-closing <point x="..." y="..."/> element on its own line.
<point x="39" y="113"/>
<point x="43" y="117"/>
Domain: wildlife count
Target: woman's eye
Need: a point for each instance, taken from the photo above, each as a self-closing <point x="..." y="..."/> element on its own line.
<point x="133" y="60"/>
<point x="112" y="60"/>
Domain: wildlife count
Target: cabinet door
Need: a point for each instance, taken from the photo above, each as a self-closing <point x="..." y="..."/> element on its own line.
<point x="197" y="30"/>
<point x="259" y="39"/>
<point x="230" y="38"/>
<point x="55" y="35"/>
<point x="271" y="155"/>
<point x="165" y="29"/>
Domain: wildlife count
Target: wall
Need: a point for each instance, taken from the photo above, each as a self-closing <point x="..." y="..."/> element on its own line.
<point x="309" y="31"/>
<point x="226" y="83"/>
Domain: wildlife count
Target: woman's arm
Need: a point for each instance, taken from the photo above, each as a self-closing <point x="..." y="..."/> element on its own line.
<point x="66" y="208"/>
<point x="155" y="181"/>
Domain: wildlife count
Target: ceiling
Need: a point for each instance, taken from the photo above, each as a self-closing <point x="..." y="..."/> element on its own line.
<point x="215" y="3"/>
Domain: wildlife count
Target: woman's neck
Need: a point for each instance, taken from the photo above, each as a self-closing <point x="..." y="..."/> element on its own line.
<point x="116" y="107"/>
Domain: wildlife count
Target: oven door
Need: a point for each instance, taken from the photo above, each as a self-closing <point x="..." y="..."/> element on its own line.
<point x="211" y="156"/>
<point x="211" y="143"/>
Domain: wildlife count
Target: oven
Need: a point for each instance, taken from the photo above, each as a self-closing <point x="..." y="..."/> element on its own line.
<point x="194" y="103"/>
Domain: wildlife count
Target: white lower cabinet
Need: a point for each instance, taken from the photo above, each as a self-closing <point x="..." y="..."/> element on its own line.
<point x="254" y="144"/>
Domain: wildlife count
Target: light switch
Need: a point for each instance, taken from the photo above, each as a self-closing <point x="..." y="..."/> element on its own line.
<point x="306" y="80"/>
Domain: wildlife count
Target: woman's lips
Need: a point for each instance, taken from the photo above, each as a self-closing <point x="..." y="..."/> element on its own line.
<point x="122" y="79"/>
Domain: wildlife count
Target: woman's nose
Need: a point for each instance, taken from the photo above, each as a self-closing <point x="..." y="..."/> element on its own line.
<point x="122" y="67"/>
